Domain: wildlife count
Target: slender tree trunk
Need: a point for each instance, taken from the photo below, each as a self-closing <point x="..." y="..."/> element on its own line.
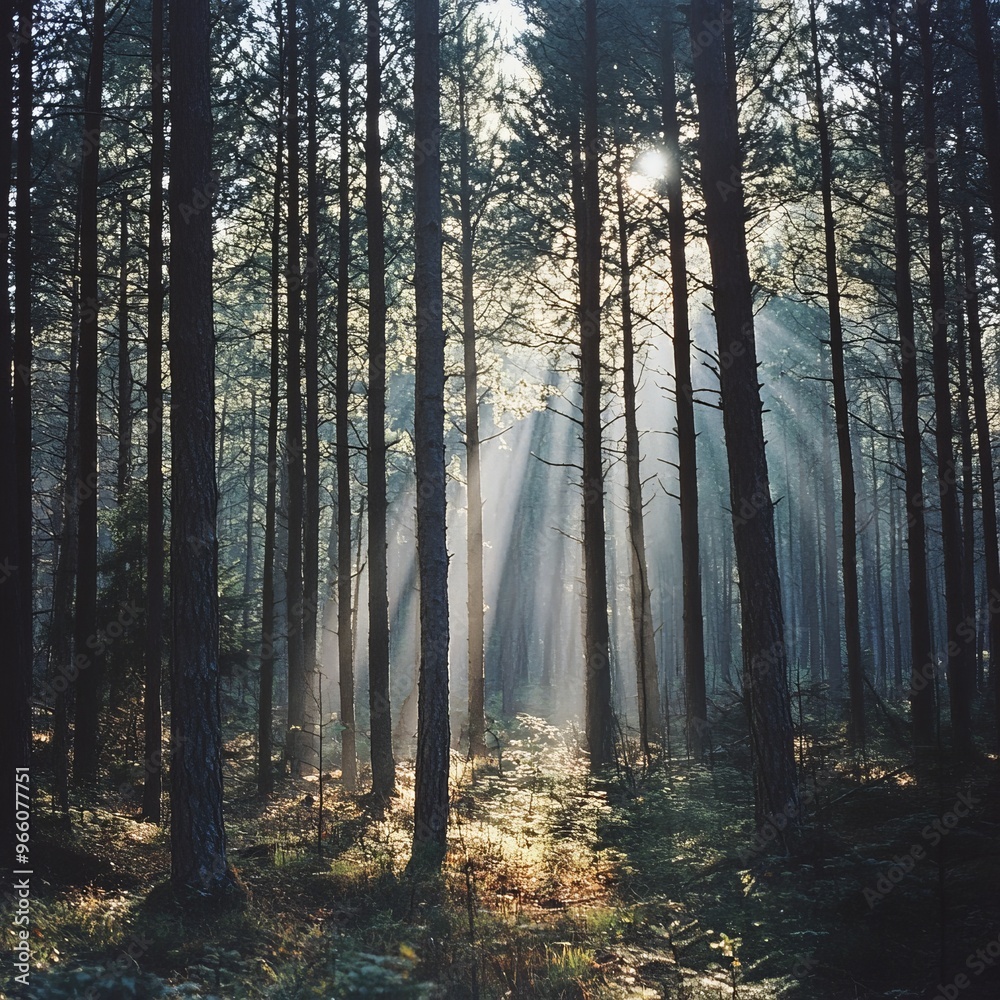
<point x="265" y="700"/>
<point x="694" y="635"/>
<point x="15" y="732"/>
<point x="152" y="715"/>
<point x="430" y="817"/>
<point x="922" y="665"/>
<point x="647" y="674"/>
<point x="841" y="410"/>
<point x="833" y="664"/>
<point x="383" y="765"/>
<point x="982" y="36"/>
<point x="295" y="743"/>
<point x="961" y="673"/>
<point x="124" y="468"/>
<point x="977" y="372"/>
<point x="23" y="266"/>
<point x="248" y="560"/>
<point x="599" y="722"/>
<point x="764" y="654"/>
<point x="197" y="831"/>
<point x="310" y="528"/>
<point x="89" y="663"/>
<point x="474" y="488"/>
<point x="345" y="622"/>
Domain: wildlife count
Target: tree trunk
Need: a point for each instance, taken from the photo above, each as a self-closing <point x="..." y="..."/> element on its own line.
<point x="197" y="832"/>
<point x="383" y="765"/>
<point x="961" y="673"/>
<point x="841" y="411"/>
<point x="124" y="468"/>
<point x="310" y="528"/>
<point x="15" y="733"/>
<point x="295" y="743"/>
<point x="922" y="666"/>
<point x="982" y="36"/>
<point x="265" y="699"/>
<point x="430" y="816"/>
<point x="599" y="722"/>
<point x="152" y="715"/>
<point x="474" y="488"/>
<point x="687" y="462"/>
<point x="89" y="664"/>
<point x="23" y="266"/>
<point x="647" y="674"/>
<point x="345" y="623"/>
<point x="764" y="654"/>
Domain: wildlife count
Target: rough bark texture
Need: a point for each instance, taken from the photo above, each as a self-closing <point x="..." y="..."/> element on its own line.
<point x="197" y="832"/>
<point x="151" y="711"/>
<point x="764" y="653"/>
<point x="922" y="666"/>
<point x="597" y="647"/>
<point x="88" y="661"/>
<point x="687" y="461"/>
<point x="383" y="765"/>
<point x="841" y="412"/>
<point x="430" y="818"/>
<point x="345" y="624"/>
<point x="647" y="675"/>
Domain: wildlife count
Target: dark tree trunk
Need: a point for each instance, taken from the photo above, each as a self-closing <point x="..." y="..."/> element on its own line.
<point x="383" y="765"/>
<point x="124" y="467"/>
<point x="152" y="716"/>
<point x="599" y="722"/>
<point x="961" y="673"/>
<point x="88" y="660"/>
<point x="15" y="732"/>
<point x="345" y="622"/>
<point x="474" y="488"/>
<point x="647" y="674"/>
<point x="764" y="654"/>
<point x="197" y="832"/>
<point x="922" y="666"/>
<point x="430" y="816"/>
<point x="977" y="372"/>
<point x="295" y="743"/>
<point x="982" y="35"/>
<point x="841" y="411"/>
<point x="687" y="462"/>
<point x="265" y="700"/>
<point x="23" y="264"/>
<point x="310" y="527"/>
<point x="248" y="558"/>
<point x="832" y="662"/>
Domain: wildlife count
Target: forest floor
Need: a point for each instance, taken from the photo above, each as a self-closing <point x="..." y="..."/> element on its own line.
<point x="650" y="883"/>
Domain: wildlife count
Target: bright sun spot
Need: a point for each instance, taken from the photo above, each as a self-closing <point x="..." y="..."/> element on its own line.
<point x="651" y="165"/>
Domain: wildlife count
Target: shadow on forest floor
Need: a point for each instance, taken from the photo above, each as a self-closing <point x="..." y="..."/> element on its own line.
<point x="649" y="883"/>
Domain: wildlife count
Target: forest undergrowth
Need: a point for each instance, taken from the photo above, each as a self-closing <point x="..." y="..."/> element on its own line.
<point x="649" y="882"/>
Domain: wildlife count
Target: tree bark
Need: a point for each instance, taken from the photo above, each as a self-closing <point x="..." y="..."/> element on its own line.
<point x="922" y="666"/>
<point x="764" y="653"/>
<point x="380" y="706"/>
<point x="197" y="831"/>
<point x="345" y="623"/>
<point x="687" y="460"/>
<point x="841" y="411"/>
<point x="474" y="488"/>
<point x="124" y="468"/>
<point x="295" y="743"/>
<point x="90" y="663"/>
<point x="647" y="674"/>
<point x="430" y="817"/>
<point x="599" y="722"/>
<point x="152" y="714"/>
